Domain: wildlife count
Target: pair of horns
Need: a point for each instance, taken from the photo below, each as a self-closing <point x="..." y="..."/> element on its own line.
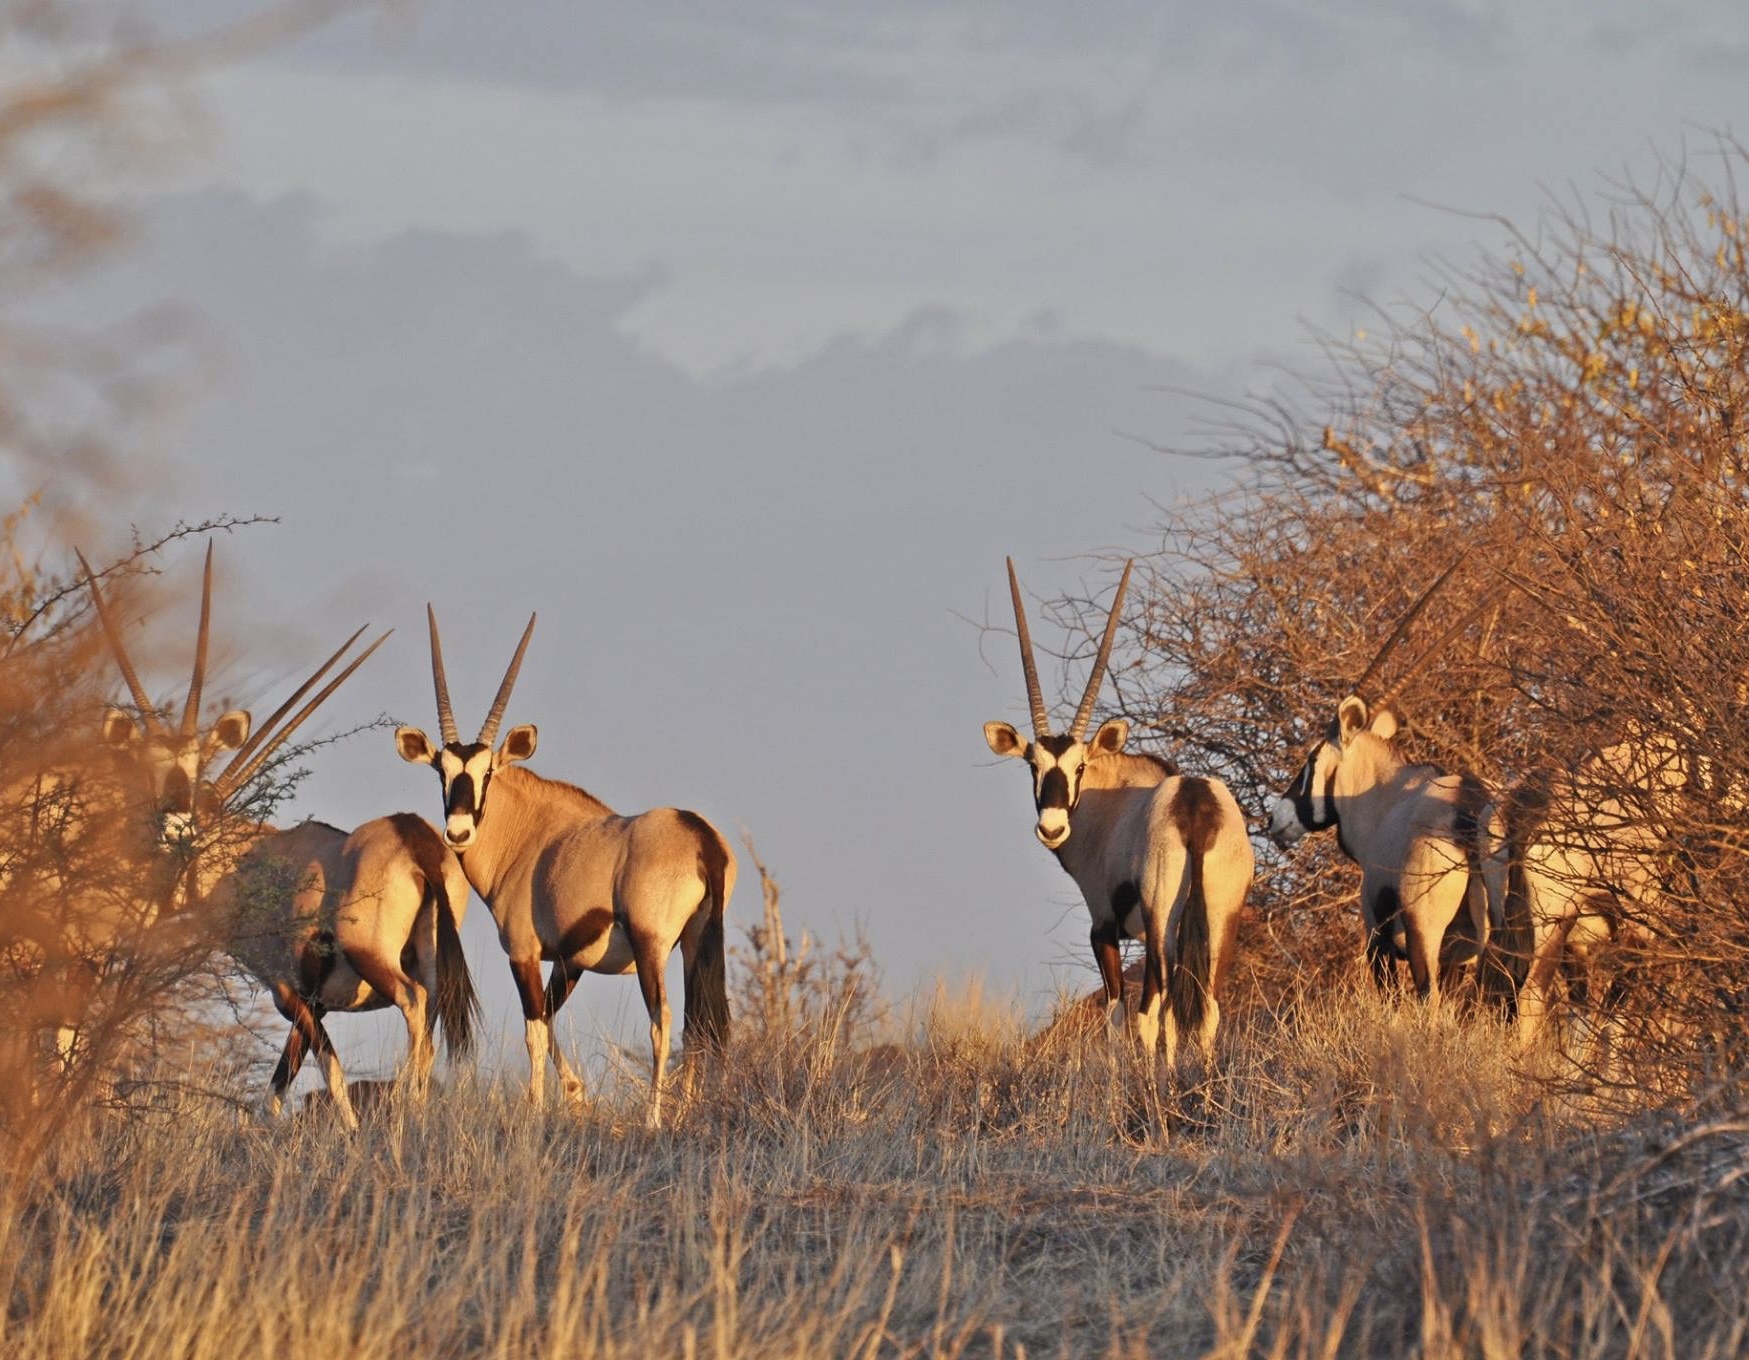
<point x="270" y="735"/>
<point x="445" y="714"/>
<point x="1041" y="722"/>
<point x="191" y="706"/>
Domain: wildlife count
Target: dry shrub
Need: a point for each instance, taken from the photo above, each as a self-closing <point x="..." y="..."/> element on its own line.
<point x="1566" y="425"/>
<point x="84" y="946"/>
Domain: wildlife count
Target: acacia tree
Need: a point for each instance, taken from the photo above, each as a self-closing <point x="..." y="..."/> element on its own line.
<point x="1566" y="426"/>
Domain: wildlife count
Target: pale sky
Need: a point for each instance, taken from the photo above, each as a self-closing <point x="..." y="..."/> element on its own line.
<point x="743" y="343"/>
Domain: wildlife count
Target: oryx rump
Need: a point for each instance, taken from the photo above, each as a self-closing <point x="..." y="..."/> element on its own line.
<point x="1158" y="856"/>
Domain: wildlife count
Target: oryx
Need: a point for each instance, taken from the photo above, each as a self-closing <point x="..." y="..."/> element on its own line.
<point x="1426" y="841"/>
<point x="1159" y="856"/>
<point x="571" y="882"/>
<point x="1584" y="864"/>
<point x="326" y="920"/>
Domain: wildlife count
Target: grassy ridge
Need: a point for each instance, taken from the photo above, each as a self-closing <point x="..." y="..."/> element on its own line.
<point x="1353" y="1179"/>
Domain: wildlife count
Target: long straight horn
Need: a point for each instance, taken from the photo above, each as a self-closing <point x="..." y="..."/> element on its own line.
<point x="148" y="715"/>
<point x="1041" y="721"/>
<point x="1085" y="712"/>
<point x="191" y="708"/>
<point x="239" y="773"/>
<point x="265" y="730"/>
<point x="445" y="714"/>
<point x="489" y="729"/>
<point x="1402" y="627"/>
<point x="1438" y="647"/>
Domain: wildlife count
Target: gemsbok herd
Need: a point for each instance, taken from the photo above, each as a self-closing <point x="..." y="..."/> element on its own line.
<point x="329" y="920"/>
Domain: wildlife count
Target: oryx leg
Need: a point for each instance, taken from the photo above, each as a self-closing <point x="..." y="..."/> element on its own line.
<point x="561" y="982"/>
<point x="1107" y="940"/>
<point x="1380" y="903"/>
<point x="538" y="1032"/>
<point x="651" y="957"/>
<point x="413" y="999"/>
<point x="1155" y="1013"/>
<point x="309" y="1033"/>
<point x="1434" y="885"/>
<point x="1545" y="962"/>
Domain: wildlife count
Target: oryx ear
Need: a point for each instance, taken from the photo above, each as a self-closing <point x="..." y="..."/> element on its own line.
<point x="1384" y="723"/>
<point x="120" y="731"/>
<point x="228" y="733"/>
<point x="1351" y="717"/>
<point x="415" y="747"/>
<point x="518" y="744"/>
<point x="1110" y="737"/>
<point x="1004" y="740"/>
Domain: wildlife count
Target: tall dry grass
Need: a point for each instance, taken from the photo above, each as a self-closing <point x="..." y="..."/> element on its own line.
<point x="1351" y="1178"/>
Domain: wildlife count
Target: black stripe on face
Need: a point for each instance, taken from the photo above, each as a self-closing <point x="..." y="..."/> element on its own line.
<point x="461" y="796"/>
<point x="1053" y="789"/>
<point x="1300" y="793"/>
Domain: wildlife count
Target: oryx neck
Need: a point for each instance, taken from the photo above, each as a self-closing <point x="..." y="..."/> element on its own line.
<point x="522" y="811"/>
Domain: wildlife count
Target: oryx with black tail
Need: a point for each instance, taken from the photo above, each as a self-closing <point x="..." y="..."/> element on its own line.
<point x="573" y="883"/>
<point x="1159" y="856"/>
<point x="326" y="920"/>
<point x="1428" y="843"/>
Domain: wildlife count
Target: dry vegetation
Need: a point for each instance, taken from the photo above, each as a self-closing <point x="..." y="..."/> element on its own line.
<point x="1351" y="1180"/>
<point x="1351" y="1177"/>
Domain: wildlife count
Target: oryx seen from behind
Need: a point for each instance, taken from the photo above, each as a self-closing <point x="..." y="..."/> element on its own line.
<point x="1426" y="841"/>
<point x="325" y="920"/>
<point x="1586" y="865"/>
<point x="573" y="883"/>
<point x="1159" y="857"/>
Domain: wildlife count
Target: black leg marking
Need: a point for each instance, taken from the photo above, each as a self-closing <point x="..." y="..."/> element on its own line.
<point x="1108" y="954"/>
<point x="529" y="989"/>
<point x="560" y="983"/>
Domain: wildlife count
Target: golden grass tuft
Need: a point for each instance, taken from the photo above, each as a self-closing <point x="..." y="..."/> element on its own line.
<point x="1351" y="1177"/>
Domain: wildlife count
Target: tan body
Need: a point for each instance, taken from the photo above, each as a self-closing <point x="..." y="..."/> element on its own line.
<point x="336" y="922"/>
<point x="325" y="920"/>
<point x="1426" y="841"/>
<point x="572" y="883"/>
<point x="1584" y="866"/>
<point x="1129" y="829"/>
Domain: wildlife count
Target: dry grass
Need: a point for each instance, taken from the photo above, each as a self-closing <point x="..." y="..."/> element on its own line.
<point x="1353" y="1179"/>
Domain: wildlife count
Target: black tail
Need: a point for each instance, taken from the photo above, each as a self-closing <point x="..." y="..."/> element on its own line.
<point x="1514" y="945"/>
<point x="1197" y="814"/>
<point x="1189" y="976"/>
<point x="1511" y="951"/>
<point x="456" y="1007"/>
<point x="707" y="974"/>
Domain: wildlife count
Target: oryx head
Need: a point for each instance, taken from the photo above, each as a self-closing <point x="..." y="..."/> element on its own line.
<point x="1357" y="731"/>
<point x="174" y="762"/>
<point x="466" y="768"/>
<point x="171" y="761"/>
<point x="1308" y="803"/>
<point x="1059" y="761"/>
